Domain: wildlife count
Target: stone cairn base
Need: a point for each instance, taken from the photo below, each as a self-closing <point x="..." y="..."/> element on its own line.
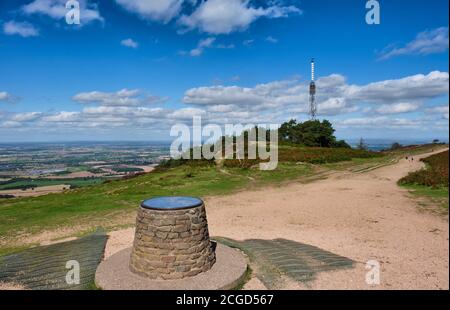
<point x="171" y="243"/>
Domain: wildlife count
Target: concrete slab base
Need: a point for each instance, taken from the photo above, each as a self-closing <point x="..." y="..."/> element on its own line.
<point x="227" y="273"/>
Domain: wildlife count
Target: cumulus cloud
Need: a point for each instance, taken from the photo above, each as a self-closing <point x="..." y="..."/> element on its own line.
<point x="129" y="43"/>
<point x="23" y="29"/>
<point x="272" y="102"/>
<point x="154" y="10"/>
<point x="439" y="110"/>
<point x="124" y="97"/>
<point x="396" y="108"/>
<point x="62" y="117"/>
<point x="380" y="122"/>
<point x="223" y="17"/>
<point x="334" y="94"/>
<point x="186" y="113"/>
<point x="56" y="9"/>
<point x="10" y="124"/>
<point x="152" y="99"/>
<point x="26" y="117"/>
<point x="415" y="87"/>
<point x="426" y="42"/>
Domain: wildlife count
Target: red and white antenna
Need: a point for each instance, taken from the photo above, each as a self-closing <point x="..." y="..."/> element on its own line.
<point x="312" y="94"/>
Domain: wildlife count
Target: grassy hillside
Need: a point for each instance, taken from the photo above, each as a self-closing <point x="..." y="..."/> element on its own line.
<point x="98" y="203"/>
<point x="435" y="173"/>
<point x="24" y="183"/>
<point x="432" y="181"/>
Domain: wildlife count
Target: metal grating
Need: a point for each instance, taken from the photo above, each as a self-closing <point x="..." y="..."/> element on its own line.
<point x="273" y="259"/>
<point x="44" y="267"/>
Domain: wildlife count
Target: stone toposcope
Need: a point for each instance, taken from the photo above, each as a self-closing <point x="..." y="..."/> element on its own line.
<point x="171" y="239"/>
<point x="172" y="250"/>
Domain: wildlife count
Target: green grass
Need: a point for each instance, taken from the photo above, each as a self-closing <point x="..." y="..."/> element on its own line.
<point x="102" y="204"/>
<point x="27" y="183"/>
<point x="432" y="181"/>
<point x="438" y="196"/>
<point x="82" y="205"/>
<point x="435" y="173"/>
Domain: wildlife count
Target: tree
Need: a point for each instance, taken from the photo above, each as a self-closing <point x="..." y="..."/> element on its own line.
<point x="341" y="144"/>
<point x="310" y="133"/>
<point x="396" y="146"/>
<point x="362" y="145"/>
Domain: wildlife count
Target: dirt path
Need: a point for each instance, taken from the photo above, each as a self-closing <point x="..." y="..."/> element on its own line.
<point x="362" y="216"/>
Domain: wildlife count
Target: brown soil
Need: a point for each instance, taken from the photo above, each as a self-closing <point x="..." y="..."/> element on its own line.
<point x="38" y="191"/>
<point x="10" y="287"/>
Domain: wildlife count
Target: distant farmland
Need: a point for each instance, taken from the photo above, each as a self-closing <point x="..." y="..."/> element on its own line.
<point x="26" y="183"/>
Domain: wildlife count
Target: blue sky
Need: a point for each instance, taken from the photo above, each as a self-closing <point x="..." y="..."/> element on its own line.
<point x="133" y="68"/>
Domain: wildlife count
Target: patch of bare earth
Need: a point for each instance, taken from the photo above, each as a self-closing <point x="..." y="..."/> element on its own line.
<point x="10" y="286"/>
<point x="38" y="191"/>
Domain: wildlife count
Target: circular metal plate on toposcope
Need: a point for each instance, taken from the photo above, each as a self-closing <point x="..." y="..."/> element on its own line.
<point x="172" y="203"/>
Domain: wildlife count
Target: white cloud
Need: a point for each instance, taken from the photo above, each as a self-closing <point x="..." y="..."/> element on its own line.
<point x="26" y="117"/>
<point x="154" y="10"/>
<point x="271" y="39"/>
<point x="220" y="95"/>
<point x="186" y="113"/>
<point x="10" y="124"/>
<point x="62" y="117"/>
<point x="426" y="42"/>
<point x="56" y="9"/>
<point x="129" y="43"/>
<point x="334" y="95"/>
<point x="125" y="111"/>
<point x="334" y="106"/>
<point x="152" y="99"/>
<point x="4" y="96"/>
<point x="248" y="42"/>
<point x="226" y="46"/>
<point x="202" y="44"/>
<point x="440" y="110"/>
<point x="396" y="108"/>
<point x="272" y="102"/>
<point x="380" y="122"/>
<point x="23" y="29"/>
<point x="7" y="97"/>
<point x="415" y="87"/>
<point x="223" y="17"/>
<point x="124" y="97"/>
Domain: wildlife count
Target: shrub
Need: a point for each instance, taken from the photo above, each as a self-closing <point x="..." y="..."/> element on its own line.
<point x="434" y="175"/>
<point x="310" y="133"/>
